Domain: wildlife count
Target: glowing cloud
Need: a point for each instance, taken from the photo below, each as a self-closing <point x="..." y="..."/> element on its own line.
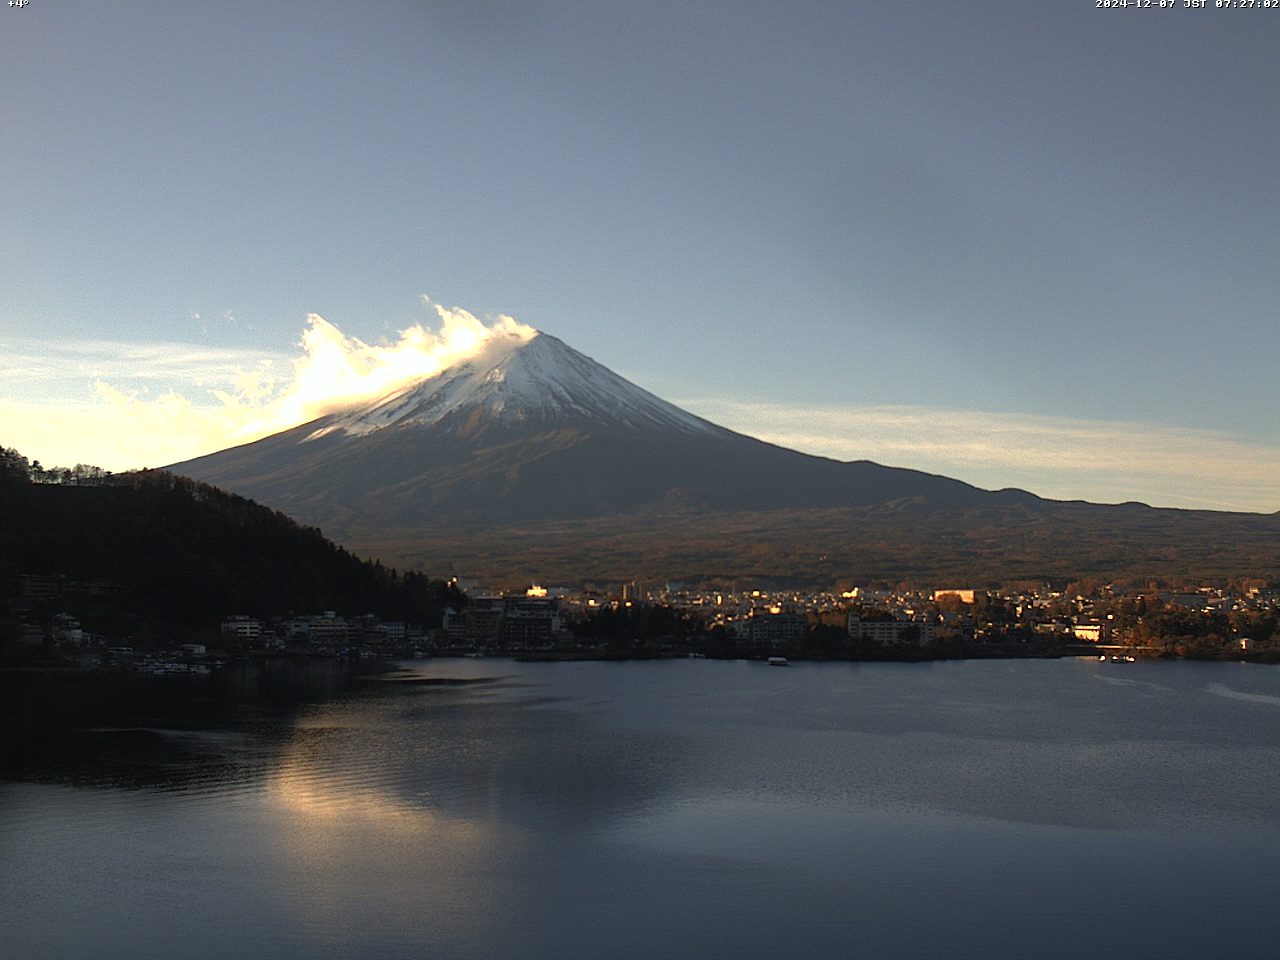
<point x="121" y="429"/>
<point x="338" y="371"/>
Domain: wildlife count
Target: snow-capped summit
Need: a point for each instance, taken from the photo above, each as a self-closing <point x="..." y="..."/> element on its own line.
<point x="527" y="429"/>
<point x="517" y="380"/>
<point x="529" y="458"/>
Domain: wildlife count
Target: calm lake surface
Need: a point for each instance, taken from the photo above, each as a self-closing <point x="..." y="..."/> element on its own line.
<point x="699" y="808"/>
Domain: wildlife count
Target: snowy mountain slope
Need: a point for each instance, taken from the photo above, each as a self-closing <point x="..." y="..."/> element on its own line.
<point x="515" y="381"/>
<point x="532" y="459"/>
<point x="531" y="430"/>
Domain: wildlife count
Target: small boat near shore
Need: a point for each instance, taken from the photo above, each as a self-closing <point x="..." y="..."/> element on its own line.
<point x="779" y="662"/>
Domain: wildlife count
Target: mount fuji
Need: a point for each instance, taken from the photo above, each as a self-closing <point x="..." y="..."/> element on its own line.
<point x="530" y="458"/>
<point x="530" y="429"/>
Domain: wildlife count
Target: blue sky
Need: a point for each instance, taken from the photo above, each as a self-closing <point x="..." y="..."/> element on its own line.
<point x="1012" y="227"/>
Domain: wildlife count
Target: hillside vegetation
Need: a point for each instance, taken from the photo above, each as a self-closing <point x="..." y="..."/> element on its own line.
<point x="900" y="542"/>
<point x="153" y="552"/>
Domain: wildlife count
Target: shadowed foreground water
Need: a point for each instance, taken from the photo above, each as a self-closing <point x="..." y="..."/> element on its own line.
<point x="486" y="808"/>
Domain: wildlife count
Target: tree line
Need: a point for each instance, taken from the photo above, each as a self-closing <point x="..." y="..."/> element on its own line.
<point x="171" y="556"/>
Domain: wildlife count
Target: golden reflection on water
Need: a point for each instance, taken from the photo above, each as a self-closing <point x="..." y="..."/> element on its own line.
<point x="354" y="849"/>
<point x="315" y="802"/>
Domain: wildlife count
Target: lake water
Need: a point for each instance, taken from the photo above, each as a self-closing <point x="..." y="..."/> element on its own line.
<point x="699" y="808"/>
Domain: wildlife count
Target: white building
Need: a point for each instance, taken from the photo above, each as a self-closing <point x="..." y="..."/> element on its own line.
<point x="242" y="629"/>
<point x="1091" y="632"/>
<point x="776" y="627"/>
<point x="889" y="633"/>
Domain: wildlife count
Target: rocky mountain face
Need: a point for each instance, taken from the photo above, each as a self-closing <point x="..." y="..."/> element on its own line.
<point x="531" y="459"/>
<point x="534" y="430"/>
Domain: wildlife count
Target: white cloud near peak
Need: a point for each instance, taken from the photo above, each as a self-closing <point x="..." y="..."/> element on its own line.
<point x="159" y="403"/>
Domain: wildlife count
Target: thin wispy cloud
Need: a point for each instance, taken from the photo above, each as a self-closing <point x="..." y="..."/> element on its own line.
<point x="1062" y="458"/>
<point x="40" y="365"/>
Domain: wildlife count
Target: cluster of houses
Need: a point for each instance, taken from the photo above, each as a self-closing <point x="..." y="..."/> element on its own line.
<point x="519" y="622"/>
<point x="325" y="633"/>
<point x="541" y="619"/>
<point x="1094" y="615"/>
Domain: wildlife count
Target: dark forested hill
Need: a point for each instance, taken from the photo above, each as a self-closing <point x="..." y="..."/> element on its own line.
<point x="171" y="552"/>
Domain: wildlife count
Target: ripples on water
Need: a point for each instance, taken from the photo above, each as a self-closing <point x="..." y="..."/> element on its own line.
<point x="694" y="808"/>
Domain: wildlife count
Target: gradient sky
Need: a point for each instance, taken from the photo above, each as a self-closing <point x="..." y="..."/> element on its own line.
<point x="1023" y="244"/>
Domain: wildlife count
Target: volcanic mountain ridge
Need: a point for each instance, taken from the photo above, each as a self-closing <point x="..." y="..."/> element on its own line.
<point x="531" y="459"/>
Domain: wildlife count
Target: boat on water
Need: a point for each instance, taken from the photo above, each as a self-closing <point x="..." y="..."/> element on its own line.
<point x="779" y="662"/>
